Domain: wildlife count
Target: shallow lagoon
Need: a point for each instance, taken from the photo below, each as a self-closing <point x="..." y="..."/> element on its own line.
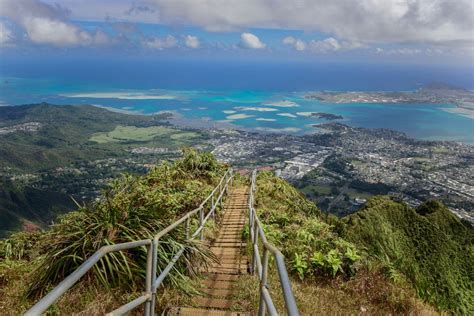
<point x="269" y="111"/>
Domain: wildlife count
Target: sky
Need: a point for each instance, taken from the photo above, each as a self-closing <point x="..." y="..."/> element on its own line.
<point x="369" y="31"/>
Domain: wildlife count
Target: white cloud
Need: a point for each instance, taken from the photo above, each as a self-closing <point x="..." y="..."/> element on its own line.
<point x="322" y="46"/>
<point x="331" y="45"/>
<point x="297" y="44"/>
<point x="434" y="21"/>
<point x="191" y="41"/>
<point x="161" y="43"/>
<point x="43" y="23"/>
<point x="48" y="31"/>
<point x="249" y="40"/>
<point x="328" y="44"/>
<point x="300" y="45"/>
<point x="101" y="38"/>
<point x="406" y="51"/>
<point x="6" y="35"/>
<point x="289" y="40"/>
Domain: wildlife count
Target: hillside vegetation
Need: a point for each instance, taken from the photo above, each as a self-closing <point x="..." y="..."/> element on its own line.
<point x="378" y="259"/>
<point x="62" y="154"/>
<point x="385" y="259"/>
<point x="24" y="207"/>
<point x="428" y="245"/>
<point x="131" y="208"/>
<point x="72" y="133"/>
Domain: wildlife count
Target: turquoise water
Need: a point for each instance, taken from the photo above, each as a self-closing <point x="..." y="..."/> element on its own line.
<point x="265" y="111"/>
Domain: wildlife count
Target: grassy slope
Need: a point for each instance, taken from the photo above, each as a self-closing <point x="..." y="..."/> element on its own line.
<point x="133" y="208"/>
<point x="21" y="205"/>
<point x="429" y="245"/>
<point x="64" y="137"/>
<point x="298" y="229"/>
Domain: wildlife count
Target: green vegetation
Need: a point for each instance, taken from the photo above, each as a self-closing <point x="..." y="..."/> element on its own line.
<point x="330" y="274"/>
<point x="24" y="207"/>
<point x="123" y="134"/>
<point x="75" y="133"/>
<point x="131" y="208"/>
<point x="294" y="225"/>
<point x="429" y="245"/>
<point x="73" y="138"/>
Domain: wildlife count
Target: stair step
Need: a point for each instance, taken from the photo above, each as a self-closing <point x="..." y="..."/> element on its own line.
<point x="218" y="284"/>
<point x="225" y="251"/>
<point x="234" y="265"/>
<point x="209" y="302"/>
<point x="189" y="311"/>
<point x="231" y="271"/>
<point x="221" y="277"/>
<point x="228" y="240"/>
<point x="217" y="292"/>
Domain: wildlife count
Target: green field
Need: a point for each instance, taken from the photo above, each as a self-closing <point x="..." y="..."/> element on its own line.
<point x="141" y="134"/>
<point x="323" y="190"/>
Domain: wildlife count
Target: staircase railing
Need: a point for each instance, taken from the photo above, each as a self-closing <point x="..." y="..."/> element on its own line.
<point x="260" y="265"/>
<point x="152" y="281"/>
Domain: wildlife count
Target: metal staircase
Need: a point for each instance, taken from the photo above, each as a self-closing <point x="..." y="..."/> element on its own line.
<point x="218" y="283"/>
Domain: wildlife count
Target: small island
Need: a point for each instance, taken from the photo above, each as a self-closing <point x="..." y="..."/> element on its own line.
<point x="433" y="93"/>
<point x="327" y="116"/>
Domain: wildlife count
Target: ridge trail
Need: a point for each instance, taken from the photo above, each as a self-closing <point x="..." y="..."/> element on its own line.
<point x="218" y="285"/>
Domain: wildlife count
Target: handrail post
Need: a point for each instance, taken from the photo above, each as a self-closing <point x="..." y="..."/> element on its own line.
<point x="201" y="220"/>
<point x="212" y="205"/>
<point x="263" y="283"/>
<point x="148" y="278"/>
<point x="187" y="228"/>
<point x="153" y="275"/>
<point x="255" y="249"/>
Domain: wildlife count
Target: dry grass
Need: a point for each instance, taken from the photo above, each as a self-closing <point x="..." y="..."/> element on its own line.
<point x="86" y="298"/>
<point x="368" y="293"/>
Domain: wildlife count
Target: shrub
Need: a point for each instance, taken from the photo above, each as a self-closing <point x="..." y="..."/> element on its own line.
<point x="131" y="208"/>
<point x="294" y="224"/>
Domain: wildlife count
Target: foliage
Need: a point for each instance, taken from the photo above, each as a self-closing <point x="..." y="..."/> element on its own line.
<point x="66" y="131"/>
<point x="429" y="245"/>
<point x="20" y="204"/>
<point x="20" y="246"/>
<point x="294" y="225"/>
<point x="131" y="208"/>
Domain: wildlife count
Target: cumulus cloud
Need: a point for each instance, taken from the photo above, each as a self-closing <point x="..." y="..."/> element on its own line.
<point x="297" y="44"/>
<point x="47" y="24"/>
<point x="322" y="46"/>
<point x="328" y="44"/>
<point x="407" y="51"/>
<point x="6" y="35"/>
<point x="191" y="41"/>
<point x="161" y="43"/>
<point x="49" y="31"/>
<point x="251" y="41"/>
<point x="434" y="21"/>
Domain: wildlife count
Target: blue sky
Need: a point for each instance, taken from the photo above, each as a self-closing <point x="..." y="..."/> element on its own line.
<point x="401" y="31"/>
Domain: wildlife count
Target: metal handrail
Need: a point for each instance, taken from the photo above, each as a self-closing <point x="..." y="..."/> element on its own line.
<point x="152" y="282"/>
<point x="260" y="265"/>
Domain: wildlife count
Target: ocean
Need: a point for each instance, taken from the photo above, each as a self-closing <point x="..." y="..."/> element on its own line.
<point x="259" y="96"/>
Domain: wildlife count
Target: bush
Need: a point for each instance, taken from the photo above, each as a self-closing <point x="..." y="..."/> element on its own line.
<point x="429" y="245"/>
<point x="130" y="209"/>
<point x="294" y="224"/>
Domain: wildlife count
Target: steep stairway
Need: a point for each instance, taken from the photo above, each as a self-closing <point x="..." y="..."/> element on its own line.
<point x="218" y="285"/>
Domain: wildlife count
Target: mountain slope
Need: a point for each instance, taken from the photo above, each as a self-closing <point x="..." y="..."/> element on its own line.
<point x="429" y="245"/>
<point x="63" y="134"/>
<point x="23" y="207"/>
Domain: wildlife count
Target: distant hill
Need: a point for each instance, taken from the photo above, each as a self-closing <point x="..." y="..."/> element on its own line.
<point x="24" y="207"/>
<point x="435" y="86"/>
<point x="429" y="245"/>
<point x="37" y="138"/>
<point x="63" y="136"/>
